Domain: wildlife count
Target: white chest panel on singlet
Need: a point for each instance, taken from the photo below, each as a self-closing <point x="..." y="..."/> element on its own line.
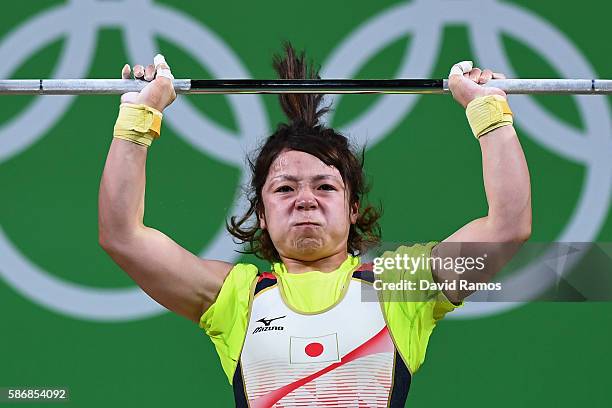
<point x="341" y="357"/>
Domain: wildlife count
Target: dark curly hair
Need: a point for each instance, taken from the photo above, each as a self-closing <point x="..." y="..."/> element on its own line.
<point x="304" y="133"/>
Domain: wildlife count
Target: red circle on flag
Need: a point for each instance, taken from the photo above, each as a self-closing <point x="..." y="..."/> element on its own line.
<point x="314" y="349"/>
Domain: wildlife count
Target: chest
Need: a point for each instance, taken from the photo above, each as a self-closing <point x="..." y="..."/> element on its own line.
<point x="343" y="355"/>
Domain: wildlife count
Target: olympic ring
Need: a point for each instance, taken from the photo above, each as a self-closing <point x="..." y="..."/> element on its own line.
<point x="121" y="304"/>
<point x="423" y="19"/>
<point x="420" y="18"/>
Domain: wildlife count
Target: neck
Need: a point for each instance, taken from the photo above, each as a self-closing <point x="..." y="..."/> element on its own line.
<point x="327" y="264"/>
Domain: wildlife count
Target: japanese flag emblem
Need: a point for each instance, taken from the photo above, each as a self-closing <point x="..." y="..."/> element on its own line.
<point x="314" y="349"/>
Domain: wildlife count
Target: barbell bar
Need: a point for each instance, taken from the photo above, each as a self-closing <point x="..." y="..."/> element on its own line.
<point x="280" y="86"/>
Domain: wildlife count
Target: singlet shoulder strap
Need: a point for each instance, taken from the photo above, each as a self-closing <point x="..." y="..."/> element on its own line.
<point x="364" y="272"/>
<point x="264" y="280"/>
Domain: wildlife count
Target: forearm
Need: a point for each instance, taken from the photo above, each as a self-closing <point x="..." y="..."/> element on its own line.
<point x="122" y="189"/>
<point x="500" y="234"/>
<point x="506" y="181"/>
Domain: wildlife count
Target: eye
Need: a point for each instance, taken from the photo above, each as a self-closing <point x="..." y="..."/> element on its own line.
<point x="283" y="189"/>
<point x="327" y="187"/>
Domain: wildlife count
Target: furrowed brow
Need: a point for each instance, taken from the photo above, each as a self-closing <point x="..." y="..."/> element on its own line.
<point x="318" y="177"/>
<point x="285" y="177"/>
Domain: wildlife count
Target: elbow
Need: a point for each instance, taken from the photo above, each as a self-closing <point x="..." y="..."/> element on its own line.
<point x="105" y="241"/>
<point x="523" y="233"/>
<point x="513" y="224"/>
<point x="105" y="236"/>
<point x="114" y="233"/>
<point x="516" y="229"/>
<point x="113" y="242"/>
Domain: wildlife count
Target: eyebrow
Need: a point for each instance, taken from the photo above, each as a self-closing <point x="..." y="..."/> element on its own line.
<point x="313" y="178"/>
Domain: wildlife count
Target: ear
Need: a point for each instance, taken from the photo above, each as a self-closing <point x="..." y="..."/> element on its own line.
<point x="354" y="212"/>
<point x="261" y="216"/>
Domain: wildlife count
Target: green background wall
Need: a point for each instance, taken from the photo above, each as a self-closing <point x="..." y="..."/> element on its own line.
<point x="425" y="170"/>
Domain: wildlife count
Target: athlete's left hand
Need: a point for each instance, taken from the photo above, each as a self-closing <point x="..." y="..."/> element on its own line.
<point x="465" y="82"/>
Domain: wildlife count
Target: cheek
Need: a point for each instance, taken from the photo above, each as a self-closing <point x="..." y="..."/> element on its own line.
<point x="275" y="214"/>
<point x="339" y="212"/>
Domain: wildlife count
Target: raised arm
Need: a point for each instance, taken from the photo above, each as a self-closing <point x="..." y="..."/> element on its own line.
<point x="507" y="224"/>
<point x="171" y="275"/>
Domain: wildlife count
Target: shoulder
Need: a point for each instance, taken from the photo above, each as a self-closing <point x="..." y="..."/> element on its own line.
<point x="234" y="291"/>
<point x="244" y="270"/>
<point x="240" y="277"/>
<point x="417" y="248"/>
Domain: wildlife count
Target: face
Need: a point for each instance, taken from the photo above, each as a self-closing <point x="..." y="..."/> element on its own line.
<point x="306" y="207"/>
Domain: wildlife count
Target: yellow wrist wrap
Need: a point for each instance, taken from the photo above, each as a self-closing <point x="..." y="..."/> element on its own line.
<point x="139" y="124"/>
<point x="487" y="113"/>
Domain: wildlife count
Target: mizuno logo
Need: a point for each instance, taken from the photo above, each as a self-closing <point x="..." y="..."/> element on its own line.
<point x="267" y="322"/>
<point x="266" y="326"/>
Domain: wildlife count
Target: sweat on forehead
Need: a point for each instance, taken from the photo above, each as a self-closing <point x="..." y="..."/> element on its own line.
<point x="301" y="165"/>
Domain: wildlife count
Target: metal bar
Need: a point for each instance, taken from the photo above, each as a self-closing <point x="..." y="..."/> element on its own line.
<point x="326" y="86"/>
<point x="276" y="86"/>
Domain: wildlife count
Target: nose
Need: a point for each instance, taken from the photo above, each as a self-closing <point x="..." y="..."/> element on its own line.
<point x="306" y="200"/>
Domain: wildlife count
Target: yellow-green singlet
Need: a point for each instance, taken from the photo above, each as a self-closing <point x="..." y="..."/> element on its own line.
<point x="410" y="322"/>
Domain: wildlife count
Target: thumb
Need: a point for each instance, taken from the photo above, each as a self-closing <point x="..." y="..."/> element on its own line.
<point x="161" y="67"/>
<point x="455" y="75"/>
<point x="461" y="68"/>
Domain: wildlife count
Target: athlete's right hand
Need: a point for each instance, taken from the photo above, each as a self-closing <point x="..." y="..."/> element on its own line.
<point x="159" y="92"/>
